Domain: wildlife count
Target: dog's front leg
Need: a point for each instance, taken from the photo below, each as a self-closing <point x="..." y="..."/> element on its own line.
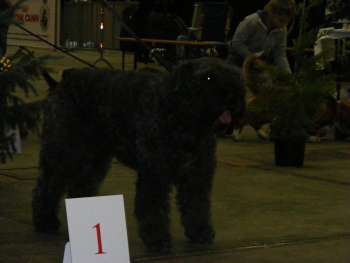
<point x="152" y="211"/>
<point x="193" y="200"/>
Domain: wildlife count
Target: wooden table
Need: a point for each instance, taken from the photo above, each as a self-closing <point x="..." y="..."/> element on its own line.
<point x="195" y="44"/>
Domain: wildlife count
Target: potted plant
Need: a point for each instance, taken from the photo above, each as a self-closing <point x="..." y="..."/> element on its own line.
<point x="294" y="100"/>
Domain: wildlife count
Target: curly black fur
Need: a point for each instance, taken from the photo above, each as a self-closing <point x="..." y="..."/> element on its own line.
<point x="159" y="124"/>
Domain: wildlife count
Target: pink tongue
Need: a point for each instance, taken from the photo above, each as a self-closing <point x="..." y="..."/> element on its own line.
<point x="225" y="117"/>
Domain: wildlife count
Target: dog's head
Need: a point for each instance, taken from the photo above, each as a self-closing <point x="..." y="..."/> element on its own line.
<point x="210" y="88"/>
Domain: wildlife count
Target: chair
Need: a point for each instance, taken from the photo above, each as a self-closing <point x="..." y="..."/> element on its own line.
<point x="211" y="22"/>
<point x="167" y="26"/>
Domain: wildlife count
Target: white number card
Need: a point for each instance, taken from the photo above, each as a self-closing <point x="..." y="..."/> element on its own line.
<point x="97" y="230"/>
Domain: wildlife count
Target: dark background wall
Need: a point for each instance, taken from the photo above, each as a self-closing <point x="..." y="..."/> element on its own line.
<point x="80" y="20"/>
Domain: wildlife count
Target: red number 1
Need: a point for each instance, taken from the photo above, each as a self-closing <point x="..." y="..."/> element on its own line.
<point x="99" y="240"/>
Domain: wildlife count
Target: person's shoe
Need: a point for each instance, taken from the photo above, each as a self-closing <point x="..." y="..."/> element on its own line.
<point x="262" y="134"/>
<point x="236" y="135"/>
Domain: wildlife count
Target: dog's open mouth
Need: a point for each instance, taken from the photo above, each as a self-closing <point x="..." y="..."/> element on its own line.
<point x="225" y="117"/>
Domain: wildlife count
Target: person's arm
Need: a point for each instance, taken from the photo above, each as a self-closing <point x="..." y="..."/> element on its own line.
<point x="279" y="52"/>
<point x="243" y="32"/>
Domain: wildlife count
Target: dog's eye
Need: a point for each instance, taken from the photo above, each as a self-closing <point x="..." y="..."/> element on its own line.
<point x="210" y="78"/>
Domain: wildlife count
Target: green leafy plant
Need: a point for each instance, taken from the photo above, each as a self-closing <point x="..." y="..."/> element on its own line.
<point x="17" y="73"/>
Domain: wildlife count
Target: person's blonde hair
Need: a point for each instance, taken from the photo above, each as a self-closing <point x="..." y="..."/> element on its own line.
<point x="286" y="5"/>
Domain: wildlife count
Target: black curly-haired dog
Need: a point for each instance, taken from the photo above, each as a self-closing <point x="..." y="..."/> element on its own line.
<point x="159" y="124"/>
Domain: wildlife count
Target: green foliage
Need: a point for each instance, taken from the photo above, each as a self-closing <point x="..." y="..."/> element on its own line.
<point x="17" y="73"/>
<point x="292" y="100"/>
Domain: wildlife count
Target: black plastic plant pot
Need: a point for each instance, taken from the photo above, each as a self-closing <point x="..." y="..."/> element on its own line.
<point x="289" y="153"/>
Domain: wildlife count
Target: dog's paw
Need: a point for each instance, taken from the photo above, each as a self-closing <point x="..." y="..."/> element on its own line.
<point x="160" y="243"/>
<point x="162" y="248"/>
<point x="262" y="134"/>
<point x="201" y="237"/>
<point x="47" y="227"/>
<point x="236" y="135"/>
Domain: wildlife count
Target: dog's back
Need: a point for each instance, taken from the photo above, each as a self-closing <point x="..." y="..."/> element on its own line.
<point x="113" y="97"/>
<point x="94" y="88"/>
<point x="94" y="80"/>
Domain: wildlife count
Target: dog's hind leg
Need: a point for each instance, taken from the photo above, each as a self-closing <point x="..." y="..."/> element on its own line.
<point x="61" y="172"/>
<point x="152" y="210"/>
<point x="46" y="199"/>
